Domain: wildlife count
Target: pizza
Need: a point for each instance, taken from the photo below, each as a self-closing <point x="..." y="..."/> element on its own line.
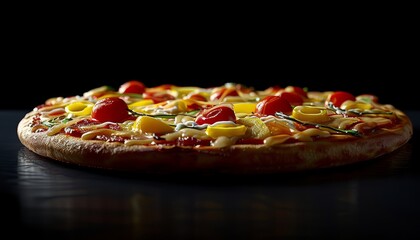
<point x="227" y="129"/>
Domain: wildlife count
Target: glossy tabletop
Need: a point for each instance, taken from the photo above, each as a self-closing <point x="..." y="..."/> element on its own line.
<point x="44" y="198"/>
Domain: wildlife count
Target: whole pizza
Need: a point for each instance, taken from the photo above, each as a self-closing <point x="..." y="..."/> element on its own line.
<point x="233" y="128"/>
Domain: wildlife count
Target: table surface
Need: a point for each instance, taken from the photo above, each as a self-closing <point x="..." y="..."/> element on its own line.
<point x="41" y="197"/>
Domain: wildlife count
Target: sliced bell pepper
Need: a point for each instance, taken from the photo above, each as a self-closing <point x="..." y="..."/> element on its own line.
<point x="311" y="114"/>
<point x="227" y="130"/>
<point x="146" y="124"/>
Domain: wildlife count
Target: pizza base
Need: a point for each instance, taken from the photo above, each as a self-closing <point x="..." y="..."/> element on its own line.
<point x="236" y="159"/>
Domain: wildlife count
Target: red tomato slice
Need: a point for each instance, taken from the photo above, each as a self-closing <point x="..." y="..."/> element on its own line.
<point x="132" y="86"/>
<point x="297" y="90"/>
<point x="293" y="98"/>
<point x="216" y="114"/>
<point x="272" y="104"/>
<point x="337" y="98"/>
<point x="111" y="109"/>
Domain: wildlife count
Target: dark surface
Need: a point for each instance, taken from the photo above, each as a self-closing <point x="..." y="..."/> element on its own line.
<point x="43" y="198"/>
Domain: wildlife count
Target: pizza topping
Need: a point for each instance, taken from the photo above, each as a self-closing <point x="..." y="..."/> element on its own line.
<point x="97" y="92"/>
<point x="150" y="125"/>
<point x="356" y="106"/>
<point x="221" y="93"/>
<point x="228" y="130"/>
<point x="272" y="104"/>
<point x="197" y="97"/>
<point x="130" y="142"/>
<point x="223" y="112"/>
<point x="341" y="122"/>
<point x="361" y="110"/>
<point x="316" y="125"/>
<point x="79" y="108"/>
<point x="293" y="98"/>
<point x="279" y="126"/>
<point x="158" y="97"/>
<point x="58" y="127"/>
<point x="224" y="141"/>
<point x="368" y="98"/>
<point x="192" y="141"/>
<point x="256" y="128"/>
<point x="140" y="104"/>
<point x="219" y="117"/>
<point x="311" y="114"/>
<point x="53" y="113"/>
<point x="98" y="132"/>
<point x="339" y="97"/>
<point x="77" y="127"/>
<point x="277" y="139"/>
<point x="297" y="90"/>
<point x="310" y="133"/>
<point x="244" y="107"/>
<point x="110" y="109"/>
<point x="132" y="86"/>
<point x="186" y="132"/>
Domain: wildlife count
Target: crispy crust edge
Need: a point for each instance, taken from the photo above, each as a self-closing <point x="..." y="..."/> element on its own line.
<point x="237" y="159"/>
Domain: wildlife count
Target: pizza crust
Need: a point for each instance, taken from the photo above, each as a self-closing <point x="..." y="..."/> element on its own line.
<point x="236" y="159"/>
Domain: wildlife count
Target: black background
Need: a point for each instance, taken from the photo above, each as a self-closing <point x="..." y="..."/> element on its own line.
<point x="372" y="57"/>
<point x="54" y="77"/>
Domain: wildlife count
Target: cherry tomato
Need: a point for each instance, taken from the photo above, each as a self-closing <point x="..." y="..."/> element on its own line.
<point x="272" y="104"/>
<point x="222" y="93"/>
<point x="111" y="109"/>
<point x="158" y="97"/>
<point x="132" y="86"/>
<point x="337" y="98"/>
<point x="216" y="114"/>
<point x="292" y="97"/>
<point x="273" y="89"/>
<point x="297" y="90"/>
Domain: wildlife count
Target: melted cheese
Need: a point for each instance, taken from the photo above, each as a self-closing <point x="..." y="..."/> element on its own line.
<point x="224" y="141"/>
<point x="57" y="128"/>
<point x="341" y="122"/>
<point x="313" y="119"/>
<point x="308" y="135"/>
<point x="92" y="134"/>
<point x="186" y="132"/>
<point x="274" y="140"/>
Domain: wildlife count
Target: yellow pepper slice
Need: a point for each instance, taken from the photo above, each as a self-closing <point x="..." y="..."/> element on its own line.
<point x="146" y="124"/>
<point x="347" y="105"/>
<point x="140" y="103"/>
<point x="244" y="107"/>
<point x="79" y="108"/>
<point x="227" y="130"/>
<point x="311" y="114"/>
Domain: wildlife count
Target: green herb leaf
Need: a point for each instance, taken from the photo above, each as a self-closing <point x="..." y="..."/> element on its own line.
<point x="317" y="125"/>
